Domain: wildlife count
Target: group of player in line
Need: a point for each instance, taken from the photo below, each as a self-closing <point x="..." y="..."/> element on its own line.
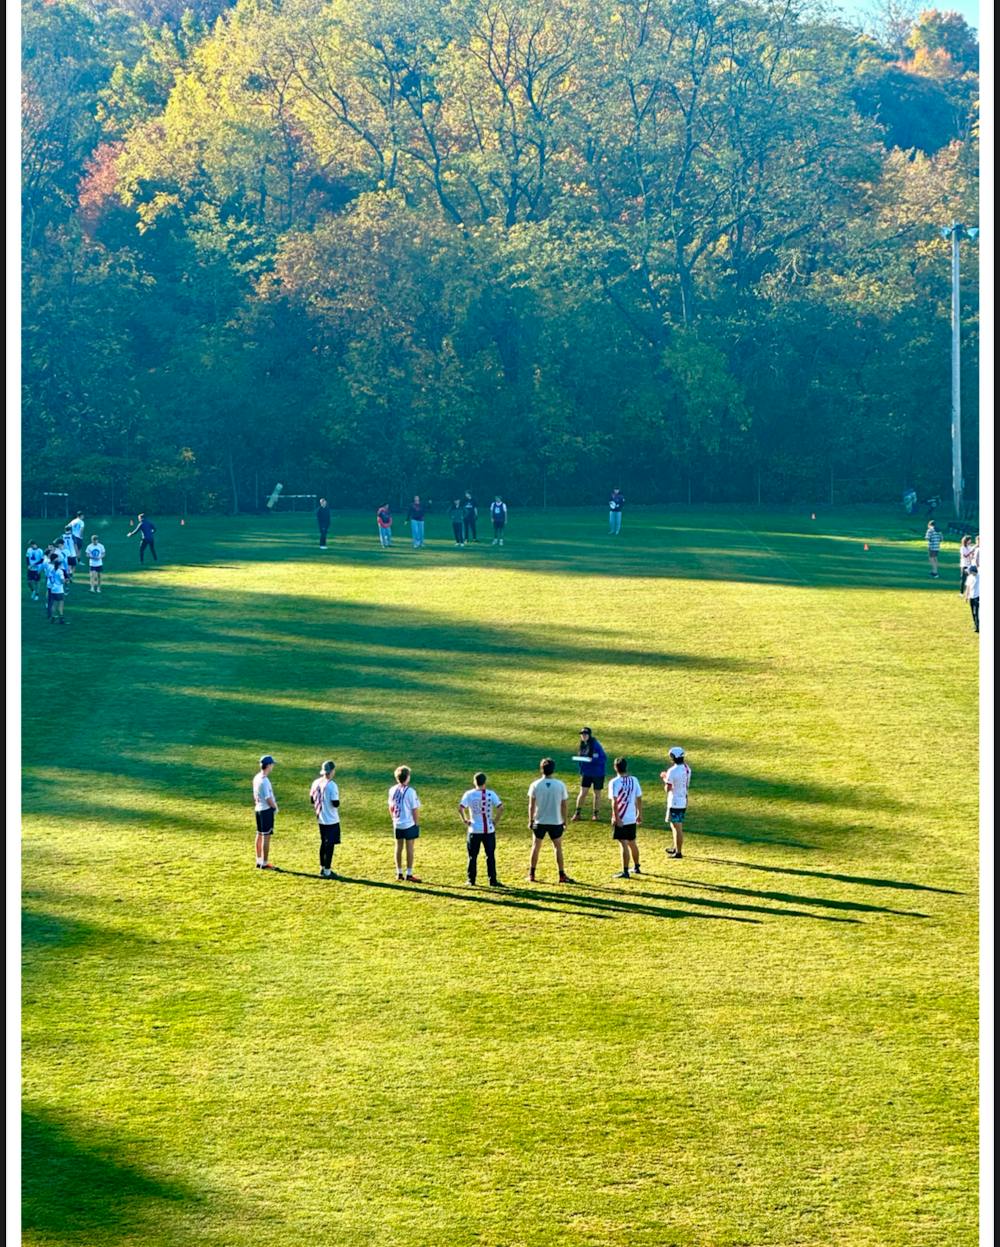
<point x="463" y="515"/>
<point x="58" y="562"/>
<point x="969" y="557"/>
<point x="481" y="809"/>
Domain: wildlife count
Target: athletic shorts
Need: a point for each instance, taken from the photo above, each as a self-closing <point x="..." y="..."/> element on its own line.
<point x="592" y="781"/>
<point x="554" y="830"/>
<point x="676" y="814"/>
<point x="33" y="577"/>
<point x="71" y="562"/>
<point x="330" y="832"/>
<point x="623" y="831"/>
<point x="97" y="567"/>
<point x="265" y="821"/>
<point x="408" y="833"/>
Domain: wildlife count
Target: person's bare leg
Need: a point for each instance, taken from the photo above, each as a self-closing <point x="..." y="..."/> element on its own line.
<point x="623" y="844"/>
<point x="633" y="846"/>
<point x="265" y="846"/>
<point x="399" y="857"/>
<point x="678" y="830"/>
<point x="557" y="845"/>
<point x="410" y="849"/>
<point x="536" y="848"/>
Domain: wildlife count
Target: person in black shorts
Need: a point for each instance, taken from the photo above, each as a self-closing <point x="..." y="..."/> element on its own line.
<point x="548" y="798"/>
<point x="469" y="515"/>
<point x="323" y="521"/>
<point x="626" y="815"/>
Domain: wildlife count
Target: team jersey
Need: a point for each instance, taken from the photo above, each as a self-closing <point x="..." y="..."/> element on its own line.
<point x="966" y="557"/>
<point x="679" y="776"/>
<point x="549" y="795"/>
<point x="481" y="802"/>
<point x="76" y="528"/>
<point x="499" y="512"/>
<point x="623" y="790"/>
<point x="95" y="552"/>
<point x="616" y="502"/>
<point x="934" y="539"/>
<point x="55" y="579"/>
<point x="35" y="557"/>
<point x="323" y="793"/>
<point x="383" y="518"/>
<point x="69" y="545"/>
<point x="403" y="805"/>
<point x="261" y="791"/>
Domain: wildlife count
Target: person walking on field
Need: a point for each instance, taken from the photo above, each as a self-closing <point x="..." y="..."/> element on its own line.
<point x="415" y="519"/>
<point x="325" y="797"/>
<point x="548" y="799"/>
<point x="323" y="521"/>
<point x="470" y="514"/>
<point x="383" y="518"/>
<point x="933" y="537"/>
<point x="626" y="805"/>
<point x="55" y="584"/>
<point x="403" y="806"/>
<point x="148" y="530"/>
<point x="498" y="514"/>
<point x="34" y="559"/>
<point x="480" y="810"/>
<point x="971" y="594"/>
<point x="265" y="807"/>
<point x="615" y="505"/>
<point x="675" y="784"/>
<point x="593" y="764"/>
<point x="457" y="517"/>
<point x="966" y="560"/>
<point x="95" y="555"/>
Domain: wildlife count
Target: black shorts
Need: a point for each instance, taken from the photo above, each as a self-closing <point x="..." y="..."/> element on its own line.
<point x="71" y="561"/>
<point x="592" y="781"/>
<point x="265" y="821"/>
<point x="330" y="832"/>
<point x="408" y="833"/>
<point x="623" y="831"/>
<point x="33" y="577"/>
<point x="676" y="814"/>
<point x="97" y="567"/>
<point x="553" y="830"/>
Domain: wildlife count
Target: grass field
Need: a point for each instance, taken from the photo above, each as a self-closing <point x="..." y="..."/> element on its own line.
<point x="771" y="1042"/>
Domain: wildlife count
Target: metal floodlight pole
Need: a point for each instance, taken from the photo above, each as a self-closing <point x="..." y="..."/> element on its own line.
<point x="956" y="232"/>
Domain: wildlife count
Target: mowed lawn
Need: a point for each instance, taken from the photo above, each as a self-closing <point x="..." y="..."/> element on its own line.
<point x="772" y="1041"/>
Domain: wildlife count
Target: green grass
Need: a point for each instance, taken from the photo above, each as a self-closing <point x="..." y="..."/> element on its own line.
<point x="772" y="1042"/>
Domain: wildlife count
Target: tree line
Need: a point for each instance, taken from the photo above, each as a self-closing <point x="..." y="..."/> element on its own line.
<point x="367" y="247"/>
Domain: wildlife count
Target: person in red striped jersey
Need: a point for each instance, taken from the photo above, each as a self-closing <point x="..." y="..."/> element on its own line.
<point x="626" y="807"/>
<point x="480" y="810"/>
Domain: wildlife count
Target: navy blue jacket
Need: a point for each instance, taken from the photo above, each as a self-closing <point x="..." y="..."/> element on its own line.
<point x="598" y="764"/>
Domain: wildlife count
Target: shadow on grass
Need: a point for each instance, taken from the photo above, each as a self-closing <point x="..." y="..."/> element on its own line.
<point x="788" y="898"/>
<point x="861" y="880"/>
<point x="75" y="1189"/>
<point x="737" y="905"/>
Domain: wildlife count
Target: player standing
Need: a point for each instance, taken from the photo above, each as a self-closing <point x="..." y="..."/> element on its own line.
<point x="95" y="554"/>
<point x="626" y="805"/>
<point x="55" y="583"/>
<point x="415" y="519"/>
<point x="70" y="552"/>
<point x="323" y="521"/>
<point x="34" y="558"/>
<point x="498" y="514"/>
<point x="265" y="807"/>
<point x="593" y="763"/>
<point x="675" y="785"/>
<point x="470" y="514"/>
<point x="933" y="538"/>
<point x="148" y="530"/>
<point x="615" y="505"/>
<point x="383" y="520"/>
<point x="480" y="810"/>
<point x="76" y="528"/>
<point x="456" y="516"/>
<point x="325" y="797"/>
<point x="548" y="799"/>
<point x="403" y="806"/>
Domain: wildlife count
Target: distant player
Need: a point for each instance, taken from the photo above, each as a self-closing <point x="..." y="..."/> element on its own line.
<point x="323" y="521"/>
<point x="325" y="797"/>
<point x="456" y="515"/>
<point x="626" y="805"/>
<point x="470" y="513"/>
<point x="76" y="528"/>
<point x="615" y="505"/>
<point x="148" y="530"/>
<point x="675" y="785"/>
<point x="95" y="555"/>
<point x="415" y="519"/>
<point x="498" y="514"/>
<point x="933" y="538"/>
<point x="403" y="806"/>
<point x="480" y="810"/>
<point x="970" y="592"/>
<point x="383" y="521"/>
<point x="34" y="561"/>
<point x="593" y="768"/>
<point x="55" y="584"/>
<point x="264" y="807"/>
<point x="70" y="551"/>
<point x="548" y="799"/>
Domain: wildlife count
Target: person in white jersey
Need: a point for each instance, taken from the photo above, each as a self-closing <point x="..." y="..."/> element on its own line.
<point x="265" y="806"/>
<point x="34" y="560"/>
<point x="403" y="806"/>
<point x="626" y="815"/>
<point x="325" y="797"/>
<point x="95" y="553"/>
<point x="55" y="585"/>
<point x="547" y="801"/>
<point x="480" y="810"/>
<point x="76" y="528"/>
<point x="675" y="785"/>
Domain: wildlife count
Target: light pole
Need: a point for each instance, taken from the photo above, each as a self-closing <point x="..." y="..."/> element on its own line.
<point x="956" y="232"/>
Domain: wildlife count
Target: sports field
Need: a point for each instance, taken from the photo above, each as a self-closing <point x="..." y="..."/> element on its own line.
<point x="770" y="1042"/>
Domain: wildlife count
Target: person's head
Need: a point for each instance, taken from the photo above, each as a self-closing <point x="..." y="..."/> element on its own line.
<point x="931" y="524"/>
<point x="32" y="545"/>
<point x="586" y="735"/>
<point x="479" y="779"/>
<point x="416" y="498"/>
<point x="546" y="766"/>
<point x="322" y="502"/>
<point x="67" y="531"/>
<point x="621" y="765"/>
<point x="468" y="494"/>
<point x="328" y="769"/>
<point x="54" y="558"/>
<point x="266" y="763"/>
<point x="498" y="498"/>
<point x="677" y="754"/>
<point x="402" y="774"/>
<point x="966" y="540"/>
<point x="79" y="515"/>
<point x="456" y="502"/>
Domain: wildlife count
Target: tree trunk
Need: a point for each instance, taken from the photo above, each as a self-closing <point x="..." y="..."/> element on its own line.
<point x="232" y="482"/>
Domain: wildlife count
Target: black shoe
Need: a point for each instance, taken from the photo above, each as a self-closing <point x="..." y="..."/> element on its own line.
<point x="471" y="883"/>
<point x="674" y="853"/>
<point x="636" y="870"/>
<point x="495" y="883"/>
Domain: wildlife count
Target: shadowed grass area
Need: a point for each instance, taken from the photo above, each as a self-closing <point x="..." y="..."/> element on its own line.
<point x="772" y="1041"/>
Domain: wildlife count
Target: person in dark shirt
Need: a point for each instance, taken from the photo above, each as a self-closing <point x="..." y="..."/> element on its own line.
<point x="323" y="521"/>
<point x="415" y="519"/>
<point x="592" y="772"/>
<point x="457" y="516"/>
<point x="469" y="516"/>
<point x="148" y="529"/>
<point x="615" y="506"/>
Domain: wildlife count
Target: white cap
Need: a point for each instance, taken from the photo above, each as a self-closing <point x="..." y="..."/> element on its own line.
<point x="677" y="752"/>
